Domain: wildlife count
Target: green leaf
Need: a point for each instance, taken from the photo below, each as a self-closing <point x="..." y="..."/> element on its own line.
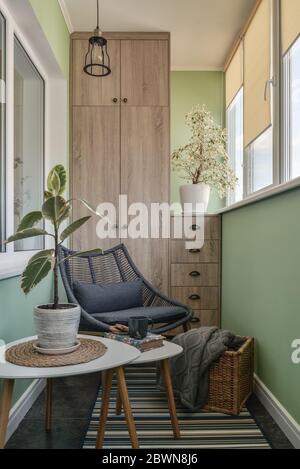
<point x="46" y="253"/>
<point x="27" y="233"/>
<point x="89" y="207"/>
<point x="53" y="208"/>
<point x="54" y="183"/>
<point x="37" y="269"/>
<point x="47" y="195"/>
<point x="82" y="253"/>
<point x="65" y="213"/>
<point x="73" y="227"/>
<point x="30" y="220"/>
<point x="57" y="180"/>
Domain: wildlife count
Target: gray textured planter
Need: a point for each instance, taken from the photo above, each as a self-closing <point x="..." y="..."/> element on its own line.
<point x="57" y="328"/>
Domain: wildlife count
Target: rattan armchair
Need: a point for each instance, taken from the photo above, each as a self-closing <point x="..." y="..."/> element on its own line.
<point x="114" y="266"/>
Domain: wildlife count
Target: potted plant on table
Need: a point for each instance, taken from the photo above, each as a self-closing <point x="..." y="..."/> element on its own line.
<point x="56" y="324"/>
<point x="204" y="161"/>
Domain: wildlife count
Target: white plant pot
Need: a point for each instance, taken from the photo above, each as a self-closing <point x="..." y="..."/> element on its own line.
<point x="57" y="328"/>
<point x="194" y="194"/>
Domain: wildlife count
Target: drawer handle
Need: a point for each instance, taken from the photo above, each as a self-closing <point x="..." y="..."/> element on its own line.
<point x="195" y="251"/>
<point x="194" y="297"/>
<point x="195" y="320"/>
<point x="195" y="227"/>
<point x="195" y="273"/>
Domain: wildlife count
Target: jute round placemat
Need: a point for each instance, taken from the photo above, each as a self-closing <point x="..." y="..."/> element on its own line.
<point x="25" y="355"/>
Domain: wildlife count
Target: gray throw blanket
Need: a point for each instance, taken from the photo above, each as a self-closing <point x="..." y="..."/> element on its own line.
<point x="190" y="370"/>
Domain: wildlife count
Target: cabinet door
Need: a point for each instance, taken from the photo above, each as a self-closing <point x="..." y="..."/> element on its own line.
<point x="145" y="72"/>
<point x="93" y="91"/>
<point x="96" y="168"/>
<point x="145" y="178"/>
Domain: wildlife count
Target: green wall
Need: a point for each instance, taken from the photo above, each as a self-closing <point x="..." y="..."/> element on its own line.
<point x="16" y="319"/>
<point x="16" y="310"/>
<point x="260" y="292"/>
<point x="187" y="90"/>
<point x="49" y="14"/>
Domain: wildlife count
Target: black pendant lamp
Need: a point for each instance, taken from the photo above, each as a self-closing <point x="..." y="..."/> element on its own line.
<point x="97" y="61"/>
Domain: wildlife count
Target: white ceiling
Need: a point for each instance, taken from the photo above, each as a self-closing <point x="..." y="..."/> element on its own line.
<point x="202" y="31"/>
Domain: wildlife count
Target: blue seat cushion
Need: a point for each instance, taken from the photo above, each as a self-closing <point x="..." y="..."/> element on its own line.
<point x="95" y="298"/>
<point x="156" y="313"/>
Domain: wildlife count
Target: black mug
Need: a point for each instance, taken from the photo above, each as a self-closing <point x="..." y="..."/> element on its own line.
<point x="138" y="327"/>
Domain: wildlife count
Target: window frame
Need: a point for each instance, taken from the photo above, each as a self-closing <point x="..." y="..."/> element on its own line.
<point x="232" y="195"/>
<point x="286" y="114"/>
<point x="274" y="90"/>
<point x="20" y="45"/>
<point x="3" y="208"/>
<point x="12" y="262"/>
<point x="277" y="106"/>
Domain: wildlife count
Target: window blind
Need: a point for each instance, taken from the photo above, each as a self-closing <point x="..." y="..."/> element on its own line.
<point x="257" y="67"/>
<point x="234" y="75"/>
<point x="290" y="13"/>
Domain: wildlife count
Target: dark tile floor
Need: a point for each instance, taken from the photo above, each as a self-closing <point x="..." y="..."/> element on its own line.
<point x="73" y="401"/>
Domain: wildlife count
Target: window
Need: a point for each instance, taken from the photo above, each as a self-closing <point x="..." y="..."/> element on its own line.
<point x="28" y="142"/>
<point x="292" y="111"/>
<point x="253" y="120"/>
<point x="2" y="130"/>
<point x="235" y="143"/>
<point x="259" y="156"/>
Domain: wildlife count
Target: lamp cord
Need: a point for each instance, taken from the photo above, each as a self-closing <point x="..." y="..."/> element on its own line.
<point x="98" y="14"/>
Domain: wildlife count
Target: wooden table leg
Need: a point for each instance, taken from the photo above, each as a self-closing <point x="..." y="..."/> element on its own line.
<point x="104" y="408"/>
<point x="127" y="408"/>
<point x="165" y="369"/>
<point x="8" y="386"/>
<point x="118" y="402"/>
<point x="49" y="393"/>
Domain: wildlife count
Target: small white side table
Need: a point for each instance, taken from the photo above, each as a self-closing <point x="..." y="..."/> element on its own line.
<point x="161" y="355"/>
<point x="117" y="355"/>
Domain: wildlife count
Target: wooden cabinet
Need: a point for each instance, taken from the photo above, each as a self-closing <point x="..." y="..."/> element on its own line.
<point x="93" y="91"/>
<point x="145" y="178"/>
<point x="123" y="147"/>
<point x="195" y="273"/>
<point x="95" y="167"/>
<point x="144" y="80"/>
<point x="146" y="64"/>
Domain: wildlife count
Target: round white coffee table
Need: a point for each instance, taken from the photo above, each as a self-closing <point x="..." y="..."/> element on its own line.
<point x="161" y="355"/>
<point x="117" y="355"/>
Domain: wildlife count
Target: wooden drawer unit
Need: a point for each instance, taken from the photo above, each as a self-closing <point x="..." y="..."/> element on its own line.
<point x="208" y="253"/>
<point x="187" y="275"/>
<point x="204" y="317"/>
<point x="197" y="297"/>
<point x="195" y="273"/>
<point x="212" y="227"/>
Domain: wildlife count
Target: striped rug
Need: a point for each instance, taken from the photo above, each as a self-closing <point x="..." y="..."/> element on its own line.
<point x="150" y="409"/>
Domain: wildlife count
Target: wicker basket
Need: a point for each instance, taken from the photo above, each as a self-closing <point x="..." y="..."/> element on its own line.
<point x="231" y="380"/>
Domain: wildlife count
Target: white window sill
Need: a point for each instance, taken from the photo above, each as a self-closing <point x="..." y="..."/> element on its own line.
<point x="13" y="264"/>
<point x="264" y="194"/>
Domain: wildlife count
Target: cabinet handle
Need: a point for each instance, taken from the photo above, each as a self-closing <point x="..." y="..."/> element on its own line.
<point x="115" y="100"/>
<point x="195" y="273"/>
<point x="195" y="227"/>
<point x="195" y="251"/>
<point x="125" y="100"/>
<point x="195" y="320"/>
<point x="194" y="297"/>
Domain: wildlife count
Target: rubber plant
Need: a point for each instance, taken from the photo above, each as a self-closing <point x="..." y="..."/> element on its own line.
<point x="57" y="210"/>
